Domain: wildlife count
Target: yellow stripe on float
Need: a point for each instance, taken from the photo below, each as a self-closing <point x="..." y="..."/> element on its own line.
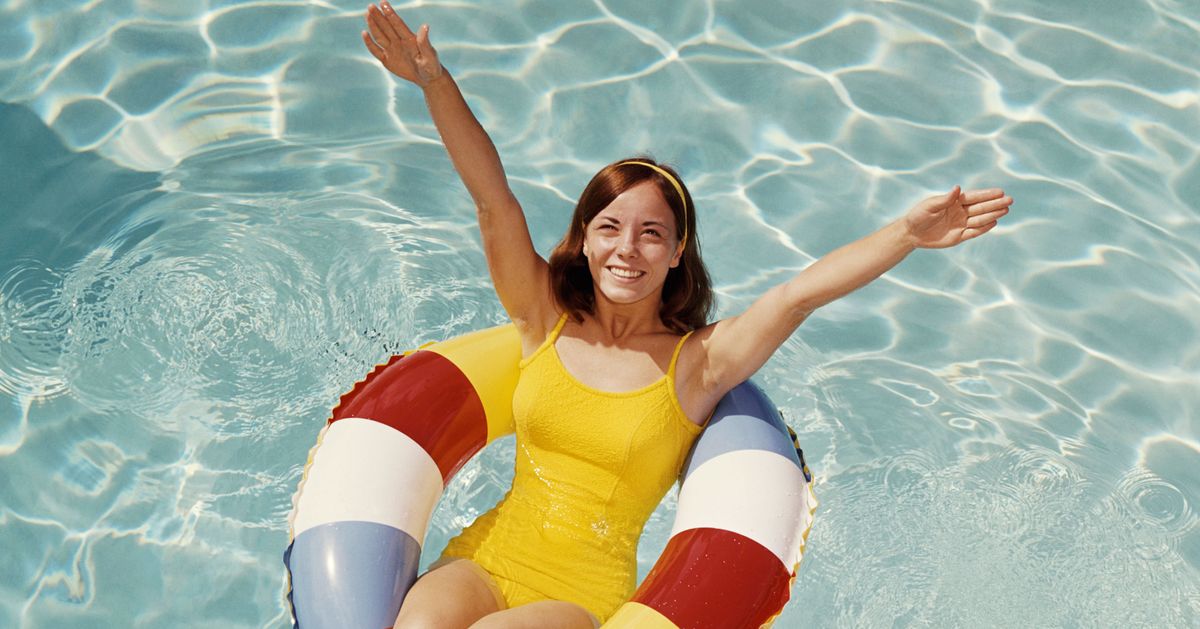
<point x="489" y="360"/>
<point x="638" y="616"/>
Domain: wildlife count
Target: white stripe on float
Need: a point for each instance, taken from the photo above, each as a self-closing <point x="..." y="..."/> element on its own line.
<point x="368" y="472"/>
<point x="754" y="493"/>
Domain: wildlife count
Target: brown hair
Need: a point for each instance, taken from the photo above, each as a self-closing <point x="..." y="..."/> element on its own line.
<point x="687" y="297"/>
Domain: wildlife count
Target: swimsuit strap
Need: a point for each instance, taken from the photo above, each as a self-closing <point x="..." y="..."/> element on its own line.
<point x="558" y="327"/>
<point x="675" y="357"/>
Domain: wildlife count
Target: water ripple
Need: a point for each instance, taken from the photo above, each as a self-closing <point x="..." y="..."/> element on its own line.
<point x="1156" y="502"/>
<point x="32" y="325"/>
<point x="167" y="355"/>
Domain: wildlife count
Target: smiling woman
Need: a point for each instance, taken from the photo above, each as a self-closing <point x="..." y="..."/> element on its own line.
<point x="620" y="366"/>
<point x="632" y="214"/>
<point x="216" y="216"/>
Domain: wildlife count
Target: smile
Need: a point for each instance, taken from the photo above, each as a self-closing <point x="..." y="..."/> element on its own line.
<point x="628" y="274"/>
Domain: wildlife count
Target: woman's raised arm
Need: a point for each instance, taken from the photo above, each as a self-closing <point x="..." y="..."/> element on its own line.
<point x="520" y="275"/>
<point x="736" y="347"/>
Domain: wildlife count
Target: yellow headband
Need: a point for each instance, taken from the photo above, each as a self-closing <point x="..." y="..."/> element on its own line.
<point x="678" y="188"/>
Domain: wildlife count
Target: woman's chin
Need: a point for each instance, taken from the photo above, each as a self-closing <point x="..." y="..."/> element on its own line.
<point x="622" y="296"/>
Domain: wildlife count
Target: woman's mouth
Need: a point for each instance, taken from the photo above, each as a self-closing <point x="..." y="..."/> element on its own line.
<point x="625" y="274"/>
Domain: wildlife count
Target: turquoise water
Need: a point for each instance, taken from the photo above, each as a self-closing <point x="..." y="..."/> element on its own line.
<point x="216" y="216"/>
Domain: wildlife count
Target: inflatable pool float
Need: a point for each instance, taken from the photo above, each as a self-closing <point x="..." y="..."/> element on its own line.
<point x="395" y="441"/>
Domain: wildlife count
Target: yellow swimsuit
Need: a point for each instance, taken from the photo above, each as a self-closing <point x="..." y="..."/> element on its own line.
<point x="591" y="466"/>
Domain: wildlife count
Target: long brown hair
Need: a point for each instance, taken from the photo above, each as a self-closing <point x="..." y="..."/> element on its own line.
<point x="687" y="297"/>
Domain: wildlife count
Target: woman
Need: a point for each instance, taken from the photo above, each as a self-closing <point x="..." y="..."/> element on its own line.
<point x="620" y="367"/>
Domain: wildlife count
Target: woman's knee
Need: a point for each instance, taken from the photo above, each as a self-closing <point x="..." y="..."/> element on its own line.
<point x="422" y="618"/>
<point x="451" y="594"/>
<point x="556" y="614"/>
<point x="445" y="611"/>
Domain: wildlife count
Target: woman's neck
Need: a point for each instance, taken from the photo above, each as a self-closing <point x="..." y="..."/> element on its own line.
<point x="618" y="322"/>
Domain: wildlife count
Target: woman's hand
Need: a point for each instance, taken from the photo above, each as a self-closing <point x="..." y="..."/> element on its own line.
<point x="406" y="54"/>
<point x="949" y="219"/>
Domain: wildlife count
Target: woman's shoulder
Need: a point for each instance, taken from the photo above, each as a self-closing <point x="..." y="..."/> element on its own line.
<point x="695" y="385"/>
<point x="700" y="334"/>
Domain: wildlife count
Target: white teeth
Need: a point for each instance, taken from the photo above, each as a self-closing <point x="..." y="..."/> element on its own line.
<point x="626" y="274"/>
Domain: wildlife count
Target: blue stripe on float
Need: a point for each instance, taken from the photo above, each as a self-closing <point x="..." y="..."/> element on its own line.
<point x="350" y="574"/>
<point x="745" y="419"/>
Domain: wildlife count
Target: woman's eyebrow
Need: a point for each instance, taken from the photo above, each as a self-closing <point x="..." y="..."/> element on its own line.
<point x="612" y="219"/>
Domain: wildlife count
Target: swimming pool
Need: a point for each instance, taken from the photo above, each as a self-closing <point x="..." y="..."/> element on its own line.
<point x="217" y="216"/>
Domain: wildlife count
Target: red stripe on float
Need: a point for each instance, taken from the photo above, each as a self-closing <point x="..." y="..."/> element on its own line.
<point x="715" y="578"/>
<point x="426" y="397"/>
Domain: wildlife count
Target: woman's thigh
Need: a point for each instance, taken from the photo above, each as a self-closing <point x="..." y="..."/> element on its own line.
<point x="453" y="593"/>
<point x="548" y="614"/>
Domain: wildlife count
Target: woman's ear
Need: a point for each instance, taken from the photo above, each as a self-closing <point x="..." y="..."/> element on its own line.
<point x="678" y="256"/>
<point x="585" y="253"/>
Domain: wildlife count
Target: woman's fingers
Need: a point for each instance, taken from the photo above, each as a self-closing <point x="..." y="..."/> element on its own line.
<point x="949" y="198"/>
<point x="373" y="48"/>
<point x="978" y="196"/>
<point x="396" y="22"/>
<point x="984" y="207"/>
<point x="399" y="33"/>
<point x="423" y="40"/>
<point x="979" y="220"/>
<point x="935" y="205"/>
<point x="380" y="30"/>
<point x="974" y="232"/>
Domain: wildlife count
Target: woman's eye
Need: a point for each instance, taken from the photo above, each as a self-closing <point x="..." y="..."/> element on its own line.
<point x="653" y="232"/>
<point x="609" y="227"/>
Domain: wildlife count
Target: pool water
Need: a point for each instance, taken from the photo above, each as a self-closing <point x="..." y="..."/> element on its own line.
<point x="216" y="216"/>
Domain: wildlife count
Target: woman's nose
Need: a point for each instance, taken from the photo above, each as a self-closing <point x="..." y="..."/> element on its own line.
<point x="626" y="245"/>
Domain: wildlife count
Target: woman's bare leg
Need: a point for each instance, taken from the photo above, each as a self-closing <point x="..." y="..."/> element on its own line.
<point x="548" y="614"/>
<point x="454" y="593"/>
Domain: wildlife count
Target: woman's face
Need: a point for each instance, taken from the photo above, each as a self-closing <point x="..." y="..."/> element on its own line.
<point x="631" y="245"/>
